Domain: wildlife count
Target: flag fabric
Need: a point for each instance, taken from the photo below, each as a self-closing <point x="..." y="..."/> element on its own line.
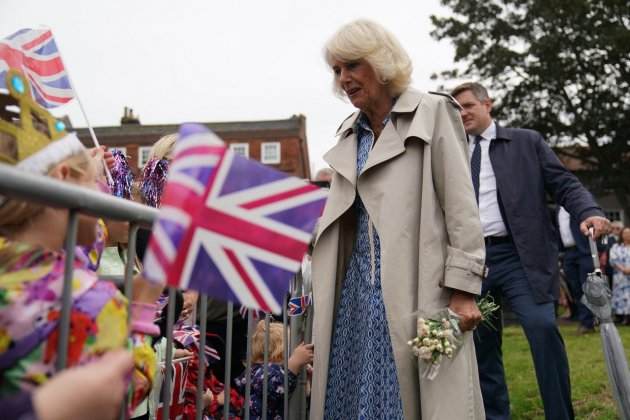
<point x="255" y="314"/>
<point x="34" y="52"/>
<point x="230" y="227"/>
<point x="177" y="401"/>
<point x="189" y="337"/>
<point x="298" y="305"/>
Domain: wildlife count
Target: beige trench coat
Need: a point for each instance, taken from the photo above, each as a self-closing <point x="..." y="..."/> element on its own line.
<point x="417" y="190"/>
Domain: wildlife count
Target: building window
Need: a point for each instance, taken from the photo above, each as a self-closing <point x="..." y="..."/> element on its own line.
<point x="240" y="149"/>
<point x="143" y="155"/>
<point x="613" y="215"/>
<point x="270" y="153"/>
<point x="122" y="149"/>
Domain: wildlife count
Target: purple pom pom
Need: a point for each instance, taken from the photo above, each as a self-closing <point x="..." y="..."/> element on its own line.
<point x="153" y="181"/>
<point x="121" y="175"/>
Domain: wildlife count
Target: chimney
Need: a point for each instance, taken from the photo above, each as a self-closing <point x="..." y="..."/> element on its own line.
<point x="129" y="118"/>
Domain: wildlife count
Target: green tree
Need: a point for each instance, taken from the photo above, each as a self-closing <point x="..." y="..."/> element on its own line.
<point x="561" y="67"/>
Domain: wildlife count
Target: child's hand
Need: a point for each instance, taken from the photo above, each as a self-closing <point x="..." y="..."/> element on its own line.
<point x="302" y="355"/>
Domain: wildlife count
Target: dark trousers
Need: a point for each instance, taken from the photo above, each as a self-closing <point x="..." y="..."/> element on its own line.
<point x="507" y="282"/>
<point x="576" y="267"/>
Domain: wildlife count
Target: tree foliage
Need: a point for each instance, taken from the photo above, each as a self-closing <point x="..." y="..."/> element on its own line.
<point x="561" y="67"/>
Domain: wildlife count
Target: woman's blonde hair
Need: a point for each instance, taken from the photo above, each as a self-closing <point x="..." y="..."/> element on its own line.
<point x="276" y="341"/>
<point x="163" y="148"/>
<point x="367" y="40"/>
<point x="14" y="214"/>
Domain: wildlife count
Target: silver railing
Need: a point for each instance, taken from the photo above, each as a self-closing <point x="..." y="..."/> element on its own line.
<point x="47" y="191"/>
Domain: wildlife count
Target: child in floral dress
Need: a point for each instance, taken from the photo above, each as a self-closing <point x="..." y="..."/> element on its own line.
<point x="32" y="264"/>
<point x="302" y="355"/>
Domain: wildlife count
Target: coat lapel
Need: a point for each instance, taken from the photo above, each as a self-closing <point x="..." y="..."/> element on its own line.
<point x="391" y="142"/>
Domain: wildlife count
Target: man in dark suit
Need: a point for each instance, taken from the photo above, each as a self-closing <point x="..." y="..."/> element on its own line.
<point x="513" y="170"/>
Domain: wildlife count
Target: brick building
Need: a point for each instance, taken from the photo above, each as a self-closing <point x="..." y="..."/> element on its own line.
<point x="278" y="143"/>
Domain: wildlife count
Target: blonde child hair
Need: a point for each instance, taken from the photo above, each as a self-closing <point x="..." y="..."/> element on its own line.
<point x="15" y="213"/>
<point x="163" y="148"/>
<point x="276" y="342"/>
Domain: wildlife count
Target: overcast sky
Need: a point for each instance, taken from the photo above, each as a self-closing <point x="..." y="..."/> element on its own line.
<point x="177" y="61"/>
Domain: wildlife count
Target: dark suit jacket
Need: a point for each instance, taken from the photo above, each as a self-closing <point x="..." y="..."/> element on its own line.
<point x="526" y="169"/>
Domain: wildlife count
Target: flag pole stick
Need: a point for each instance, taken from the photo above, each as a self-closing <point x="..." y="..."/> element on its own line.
<point x="85" y="117"/>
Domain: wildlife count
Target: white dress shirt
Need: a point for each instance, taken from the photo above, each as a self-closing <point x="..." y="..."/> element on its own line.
<point x="564" y="224"/>
<point x="489" y="212"/>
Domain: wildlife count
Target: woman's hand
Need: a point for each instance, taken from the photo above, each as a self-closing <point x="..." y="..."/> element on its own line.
<point x="465" y="306"/>
<point x="179" y="353"/>
<point x="302" y="355"/>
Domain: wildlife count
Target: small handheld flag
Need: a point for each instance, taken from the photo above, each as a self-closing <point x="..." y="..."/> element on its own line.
<point x="35" y="53"/>
<point x="230" y="227"/>
<point x="298" y="305"/>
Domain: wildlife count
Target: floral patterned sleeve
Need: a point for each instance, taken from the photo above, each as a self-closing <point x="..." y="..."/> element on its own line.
<point x="275" y="389"/>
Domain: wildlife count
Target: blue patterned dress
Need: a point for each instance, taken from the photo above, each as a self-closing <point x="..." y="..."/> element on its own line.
<point x="620" y="255"/>
<point x="362" y="380"/>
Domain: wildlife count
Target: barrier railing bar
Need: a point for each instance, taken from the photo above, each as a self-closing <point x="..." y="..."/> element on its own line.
<point x="286" y="344"/>
<point x="248" y="366"/>
<point x="55" y="193"/>
<point x="131" y="259"/>
<point x="168" y="362"/>
<point x="228" y="360"/>
<point x="265" y="389"/>
<point x="66" y="293"/>
<point x="203" y="318"/>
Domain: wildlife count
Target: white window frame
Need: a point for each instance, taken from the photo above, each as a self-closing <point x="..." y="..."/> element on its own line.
<point x="275" y="160"/>
<point x="123" y="149"/>
<point x="140" y="150"/>
<point x="608" y="214"/>
<point x="245" y="146"/>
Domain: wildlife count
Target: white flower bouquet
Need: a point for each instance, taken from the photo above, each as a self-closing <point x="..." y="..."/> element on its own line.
<point x="440" y="336"/>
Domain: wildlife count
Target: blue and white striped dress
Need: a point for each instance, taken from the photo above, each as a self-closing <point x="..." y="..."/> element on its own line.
<point x="362" y="380"/>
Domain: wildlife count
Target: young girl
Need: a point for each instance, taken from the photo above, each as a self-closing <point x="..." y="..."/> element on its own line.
<point x="302" y="355"/>
<point x="32" y="263"/>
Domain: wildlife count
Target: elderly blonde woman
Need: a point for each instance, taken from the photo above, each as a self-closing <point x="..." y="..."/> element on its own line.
<point x="399" y="239"/>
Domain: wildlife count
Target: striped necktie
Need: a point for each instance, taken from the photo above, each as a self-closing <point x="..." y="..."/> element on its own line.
<point x="475" y="165"/>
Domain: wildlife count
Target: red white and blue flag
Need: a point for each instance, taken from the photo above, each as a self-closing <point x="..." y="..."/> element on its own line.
<point x="230" y="227"/>
<point x="298" y="305"/>
<point x="34" y="52"/>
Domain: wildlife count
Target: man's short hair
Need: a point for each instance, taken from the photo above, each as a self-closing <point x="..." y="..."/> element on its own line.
<point x="480" y="92"/>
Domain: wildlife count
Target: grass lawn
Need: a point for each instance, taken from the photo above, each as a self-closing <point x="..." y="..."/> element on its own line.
<point x="592" y="398"/>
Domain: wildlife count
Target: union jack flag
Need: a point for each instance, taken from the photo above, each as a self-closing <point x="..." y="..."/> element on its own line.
<point x="228" y="226"/>
<point x="34" y="52"/>
<point x="177" y="401"/>
<point x="298" y="305"/>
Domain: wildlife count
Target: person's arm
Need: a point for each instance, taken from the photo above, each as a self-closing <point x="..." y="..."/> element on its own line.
<point x="465" y="249"/>
<point x="568" y="191"/>
<point x="93" y="391"/>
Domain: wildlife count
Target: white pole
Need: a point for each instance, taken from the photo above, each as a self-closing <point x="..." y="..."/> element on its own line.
<point x="87" y="121"/>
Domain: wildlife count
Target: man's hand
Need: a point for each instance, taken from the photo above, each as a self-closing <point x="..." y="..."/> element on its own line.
<point x="464" y="305"/>
<point x="601" y="226"/>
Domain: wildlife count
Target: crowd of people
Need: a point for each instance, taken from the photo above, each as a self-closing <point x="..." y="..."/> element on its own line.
<point x="432" y="204"/>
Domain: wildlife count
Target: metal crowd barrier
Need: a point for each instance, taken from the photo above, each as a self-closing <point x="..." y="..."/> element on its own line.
<point x="47" y="191"/>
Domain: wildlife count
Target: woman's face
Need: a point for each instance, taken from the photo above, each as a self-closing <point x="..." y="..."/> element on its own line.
<point x="360" y="83"/>
<point x="625" y="235"/>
